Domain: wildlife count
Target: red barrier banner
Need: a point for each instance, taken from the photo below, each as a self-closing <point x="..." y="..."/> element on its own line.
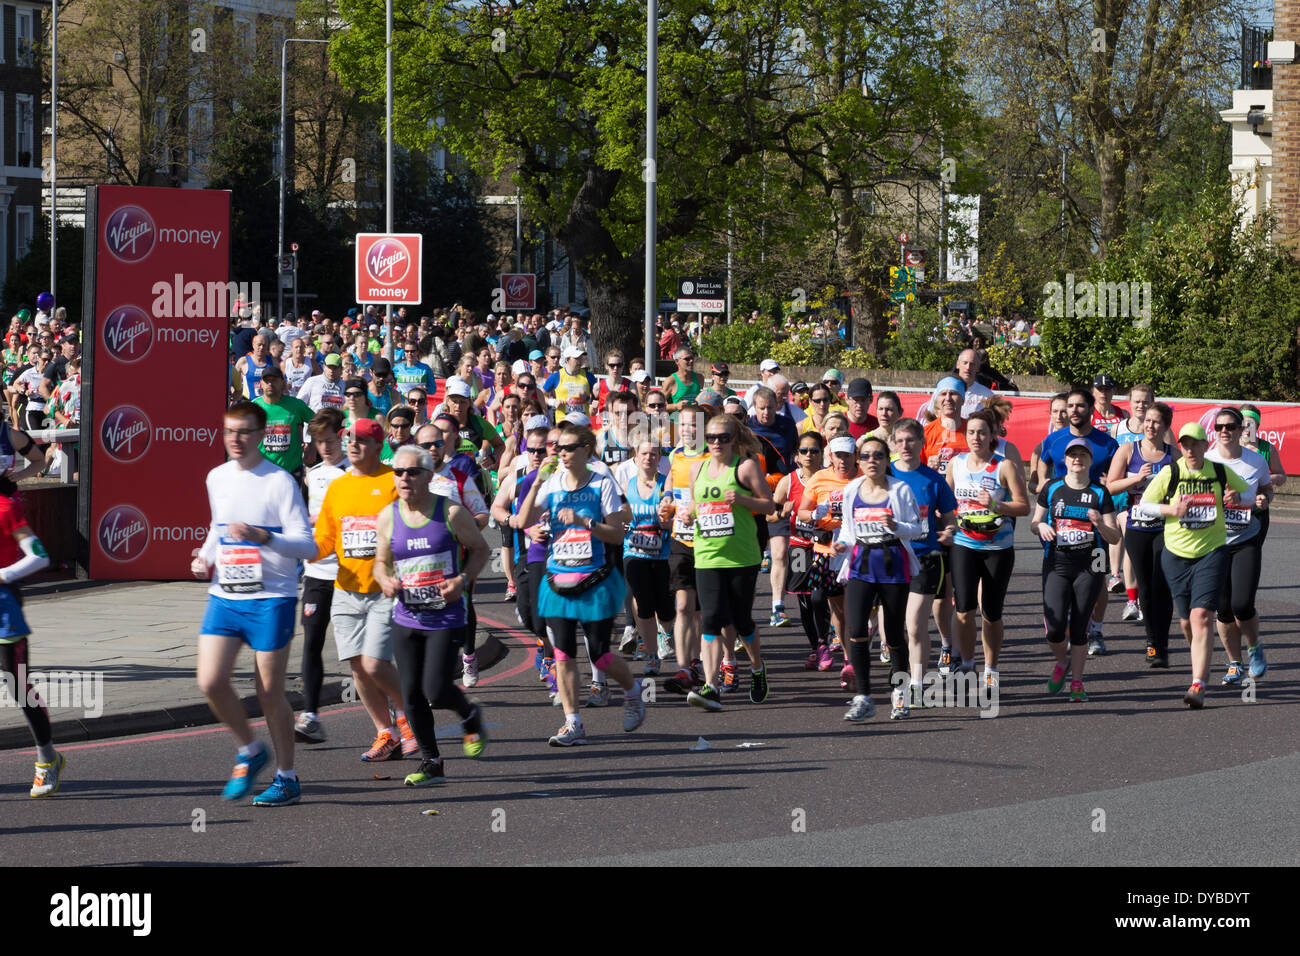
<point x="155" y="374"/>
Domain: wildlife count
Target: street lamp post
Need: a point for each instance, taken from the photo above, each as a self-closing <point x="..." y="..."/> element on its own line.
<point x="284" y="161"/>
<point x="388" y="157"/>
<point x="54" y="142"/>
<point x="651" y="124"/>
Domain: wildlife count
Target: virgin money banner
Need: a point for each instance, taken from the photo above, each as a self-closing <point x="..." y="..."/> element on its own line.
<point x="388" y="268"/>
<point x="1030" y="421"/>
<point x="155" y="374"/>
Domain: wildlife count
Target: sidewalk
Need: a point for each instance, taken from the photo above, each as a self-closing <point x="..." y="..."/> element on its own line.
<point x="132" y="647"/>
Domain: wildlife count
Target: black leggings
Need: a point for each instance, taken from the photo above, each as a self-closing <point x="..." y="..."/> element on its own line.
<point x="13" y="660"/>
<point x="317" y="600"/>
<point x="1144" y="549"/>
<point x="726" y="598"/>
<point x="970" y="567"/>
<point x="564" y="635"/>
<point x="426" y="661"/>
<point x="816" y="617"/>
<point x="471" y="622"/>
<point x="647" y="584"/>
<point x="528" y="583"/>
<point x="860" y="598"/>
<point x="1237" y="596"/>
<point x="1068" y="600"/>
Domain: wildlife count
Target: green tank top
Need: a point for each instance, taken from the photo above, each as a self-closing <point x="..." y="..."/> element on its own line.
<point x="685" y="391"/>
<point x="726" y="536"/>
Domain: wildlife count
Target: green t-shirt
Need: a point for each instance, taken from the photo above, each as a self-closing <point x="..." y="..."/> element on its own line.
<point x="685" y="391"/>
<point x="1203" y="528"/>
<point x="282" y="443"/>
<point x="726" y="536"/>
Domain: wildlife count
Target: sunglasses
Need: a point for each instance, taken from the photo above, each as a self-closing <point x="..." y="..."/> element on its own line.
<point x="541" y="450"/>
<point x="656" y="405"/>
<point x="426" y="445"/>
<point x="569" y="447"/>
<point x="614" y="365"/>
<point x="810" y="450"/>
<point x="354" y="394"/>
<point x="821" y="401"/>
<point x="871" y="456"/>
<point x="413" y="472"/>
<point x="1226" y="427"/>
<point x="721" y="439"/>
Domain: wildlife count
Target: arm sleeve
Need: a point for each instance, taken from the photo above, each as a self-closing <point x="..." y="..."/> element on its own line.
<point x="907" y="515"/>
<point x="296" y="540"/>
<point x="610" y="499"/>
<point x="847" y="532"/>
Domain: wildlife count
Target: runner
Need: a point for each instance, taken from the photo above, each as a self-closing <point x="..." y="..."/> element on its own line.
<point x="418" y="563"/>
<point x="858" y="397"/>
<point x="1127" y="432"/>
<point x="613" y="381"/>
<point x="945" y="435"/>
<point x="1056" y="420"/>
<point x="298" y="366"/>
<point x="325" y="429"/>
<point x="1078" y="410"/>
<point x="645" y="481"/>
<point x="586" y="516"/>
<point x="1276" y="473"/>
<point x="807" y="568"/>
<point x="1192" y="494"/>
<point x="881" y="518"/>
<point x="778" y="436"/>
<point x="889" y="409"/>
<point x="681" y="550"/>
<point x="1074" y="561"/>
<point x="727" y="491"/>
<point x="400" y="421"/>
<point x="989" y="490"/>
<point x="819" y="403"/>
<point x="1106" y="415"/>
<point x="258" y="534"/>
<point x="930" y="591"/>
<point x="822" y="507"/>
<point x="569" y="389"/>
<point x="363" y="616"/>
<point x="21" y="554"/>
<point x="249" y="368"/>
<point x="286" y="417"/>
<point x="1131" y="471"/>
<point x="1243" y="552"/>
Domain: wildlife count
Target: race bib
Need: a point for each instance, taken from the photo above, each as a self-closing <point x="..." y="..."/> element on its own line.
<point x="940" y="461"/>
<point x="420" y="579"/>
<point x="239" y="567"/>
<point x="1236" y="519"/>
<point x="870" y="520"/>
<point x="1202" y="509"/>
<point x="682" y="529"/>
<point x="330" y="400"/>
<point x="716" y="520"/>
<point x="278" y="437"/>
<point x="646" y="541"/>
<point x="360" y="535"/>
<point x="835" y="510"/>
<point x="442" y="485"/>
<point x="573" y="547"/>
<point x="576" y="403"/>
<point x="1072" y="533"/>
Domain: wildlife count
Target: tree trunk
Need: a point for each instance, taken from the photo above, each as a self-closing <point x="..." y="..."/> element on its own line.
<point x="870" y="326"/>
<point x="1112" y="173"/>
<point x="617" y="316"/>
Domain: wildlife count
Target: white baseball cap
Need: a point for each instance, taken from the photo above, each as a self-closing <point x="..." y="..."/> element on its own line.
<point x="458" y="387"/>
<point x="640" y="375"/>
<point x="841" y="446"/>
<point x="574" y="352"/>
<point x="520" y="367"/>
<point x="769" y="365"/>
<point x="537" y="422"/>
<point x="577" y="418"/>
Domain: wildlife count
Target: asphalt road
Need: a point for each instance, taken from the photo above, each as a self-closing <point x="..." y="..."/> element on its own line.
<point x="1129" y="778"/>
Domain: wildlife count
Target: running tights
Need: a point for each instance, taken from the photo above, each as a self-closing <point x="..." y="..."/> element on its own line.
<point x="1068" y="600"/>
<point x="13" y="661"/>
<point x="1144" y="549"/>
<point x="859" y="599"/>
<point x="426" y="661"/>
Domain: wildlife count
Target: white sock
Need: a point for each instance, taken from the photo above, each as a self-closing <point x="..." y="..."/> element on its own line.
<point x="251" y="750"/>
<point x="287" y="774"/>
<point x="572" y="720"/>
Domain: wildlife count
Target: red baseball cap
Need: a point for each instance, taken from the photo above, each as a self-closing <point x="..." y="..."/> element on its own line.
<point x="365" y="428"/>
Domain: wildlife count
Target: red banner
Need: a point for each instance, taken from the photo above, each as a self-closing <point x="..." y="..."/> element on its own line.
<point x="1029" y="423"/>
<point x="157" y="353"/>
<point x="520" y="290"/>
<point x="389" y="268"/>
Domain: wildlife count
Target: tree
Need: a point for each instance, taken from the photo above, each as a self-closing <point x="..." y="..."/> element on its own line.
<point x="555" y="92"/>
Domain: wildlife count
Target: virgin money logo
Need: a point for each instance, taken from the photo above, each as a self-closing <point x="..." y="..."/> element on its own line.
<point x="128" y="334"/>
<point x="123" y="533"/>
<point x="125" y="433"/>
<point x="388" y="261"/>
<point x="129" y="234"/>
<point x="517" y="287"/>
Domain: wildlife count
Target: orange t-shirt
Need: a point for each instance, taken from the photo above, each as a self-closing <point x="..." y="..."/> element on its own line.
<point x="348" y="526"/>
<point x="943" y="444"/>
<point x="827" y="488"/>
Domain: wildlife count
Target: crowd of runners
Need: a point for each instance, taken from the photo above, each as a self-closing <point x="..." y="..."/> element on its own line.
<point x="365" y="488"/>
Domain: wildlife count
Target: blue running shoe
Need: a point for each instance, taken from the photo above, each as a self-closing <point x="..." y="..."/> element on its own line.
<point x="244" y="776"/>
<point x="1258" y="666"/>
<point x="282" y="792"/>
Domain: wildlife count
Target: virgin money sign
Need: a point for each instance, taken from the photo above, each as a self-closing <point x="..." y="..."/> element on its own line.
<point x="520" y="290"/>
<point x="154" y="380"/>
<point x="388" y="268"/>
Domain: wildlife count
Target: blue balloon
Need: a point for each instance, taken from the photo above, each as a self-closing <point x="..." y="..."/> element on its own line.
<point x="45" y="302"/>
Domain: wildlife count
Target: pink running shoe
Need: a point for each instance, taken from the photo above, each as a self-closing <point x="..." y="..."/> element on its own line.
<point x="848" y="680"/>
<point x="824" y="659"/>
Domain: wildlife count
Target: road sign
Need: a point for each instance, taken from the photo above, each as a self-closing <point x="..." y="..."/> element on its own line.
<point x="902" y="284"/>
<point x="293" y="246"/>
<point x="389" y="268"/>
<point x="286" y="265"/>
<point x="903" y="237"/>
<point x="520" y="290"/>
<point x="702" y="294"/>
<point x="914" y="257"/>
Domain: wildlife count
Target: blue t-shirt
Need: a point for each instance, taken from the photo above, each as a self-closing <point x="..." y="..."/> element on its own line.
<point x="1102" y="445"/>
<point x="933" y="497"/>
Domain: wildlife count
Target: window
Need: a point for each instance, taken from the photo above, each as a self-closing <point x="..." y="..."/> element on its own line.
<point x="244" y="43"/>
<point x="24" y="222"/>
<point x="25" y="129"/>
<point x="23" y="37"/>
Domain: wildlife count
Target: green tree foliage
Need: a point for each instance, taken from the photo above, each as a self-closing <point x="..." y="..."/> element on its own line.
<point x="921" y="342"/>
<point x="738" y="342"/>
<point x="1224" y="302"/>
